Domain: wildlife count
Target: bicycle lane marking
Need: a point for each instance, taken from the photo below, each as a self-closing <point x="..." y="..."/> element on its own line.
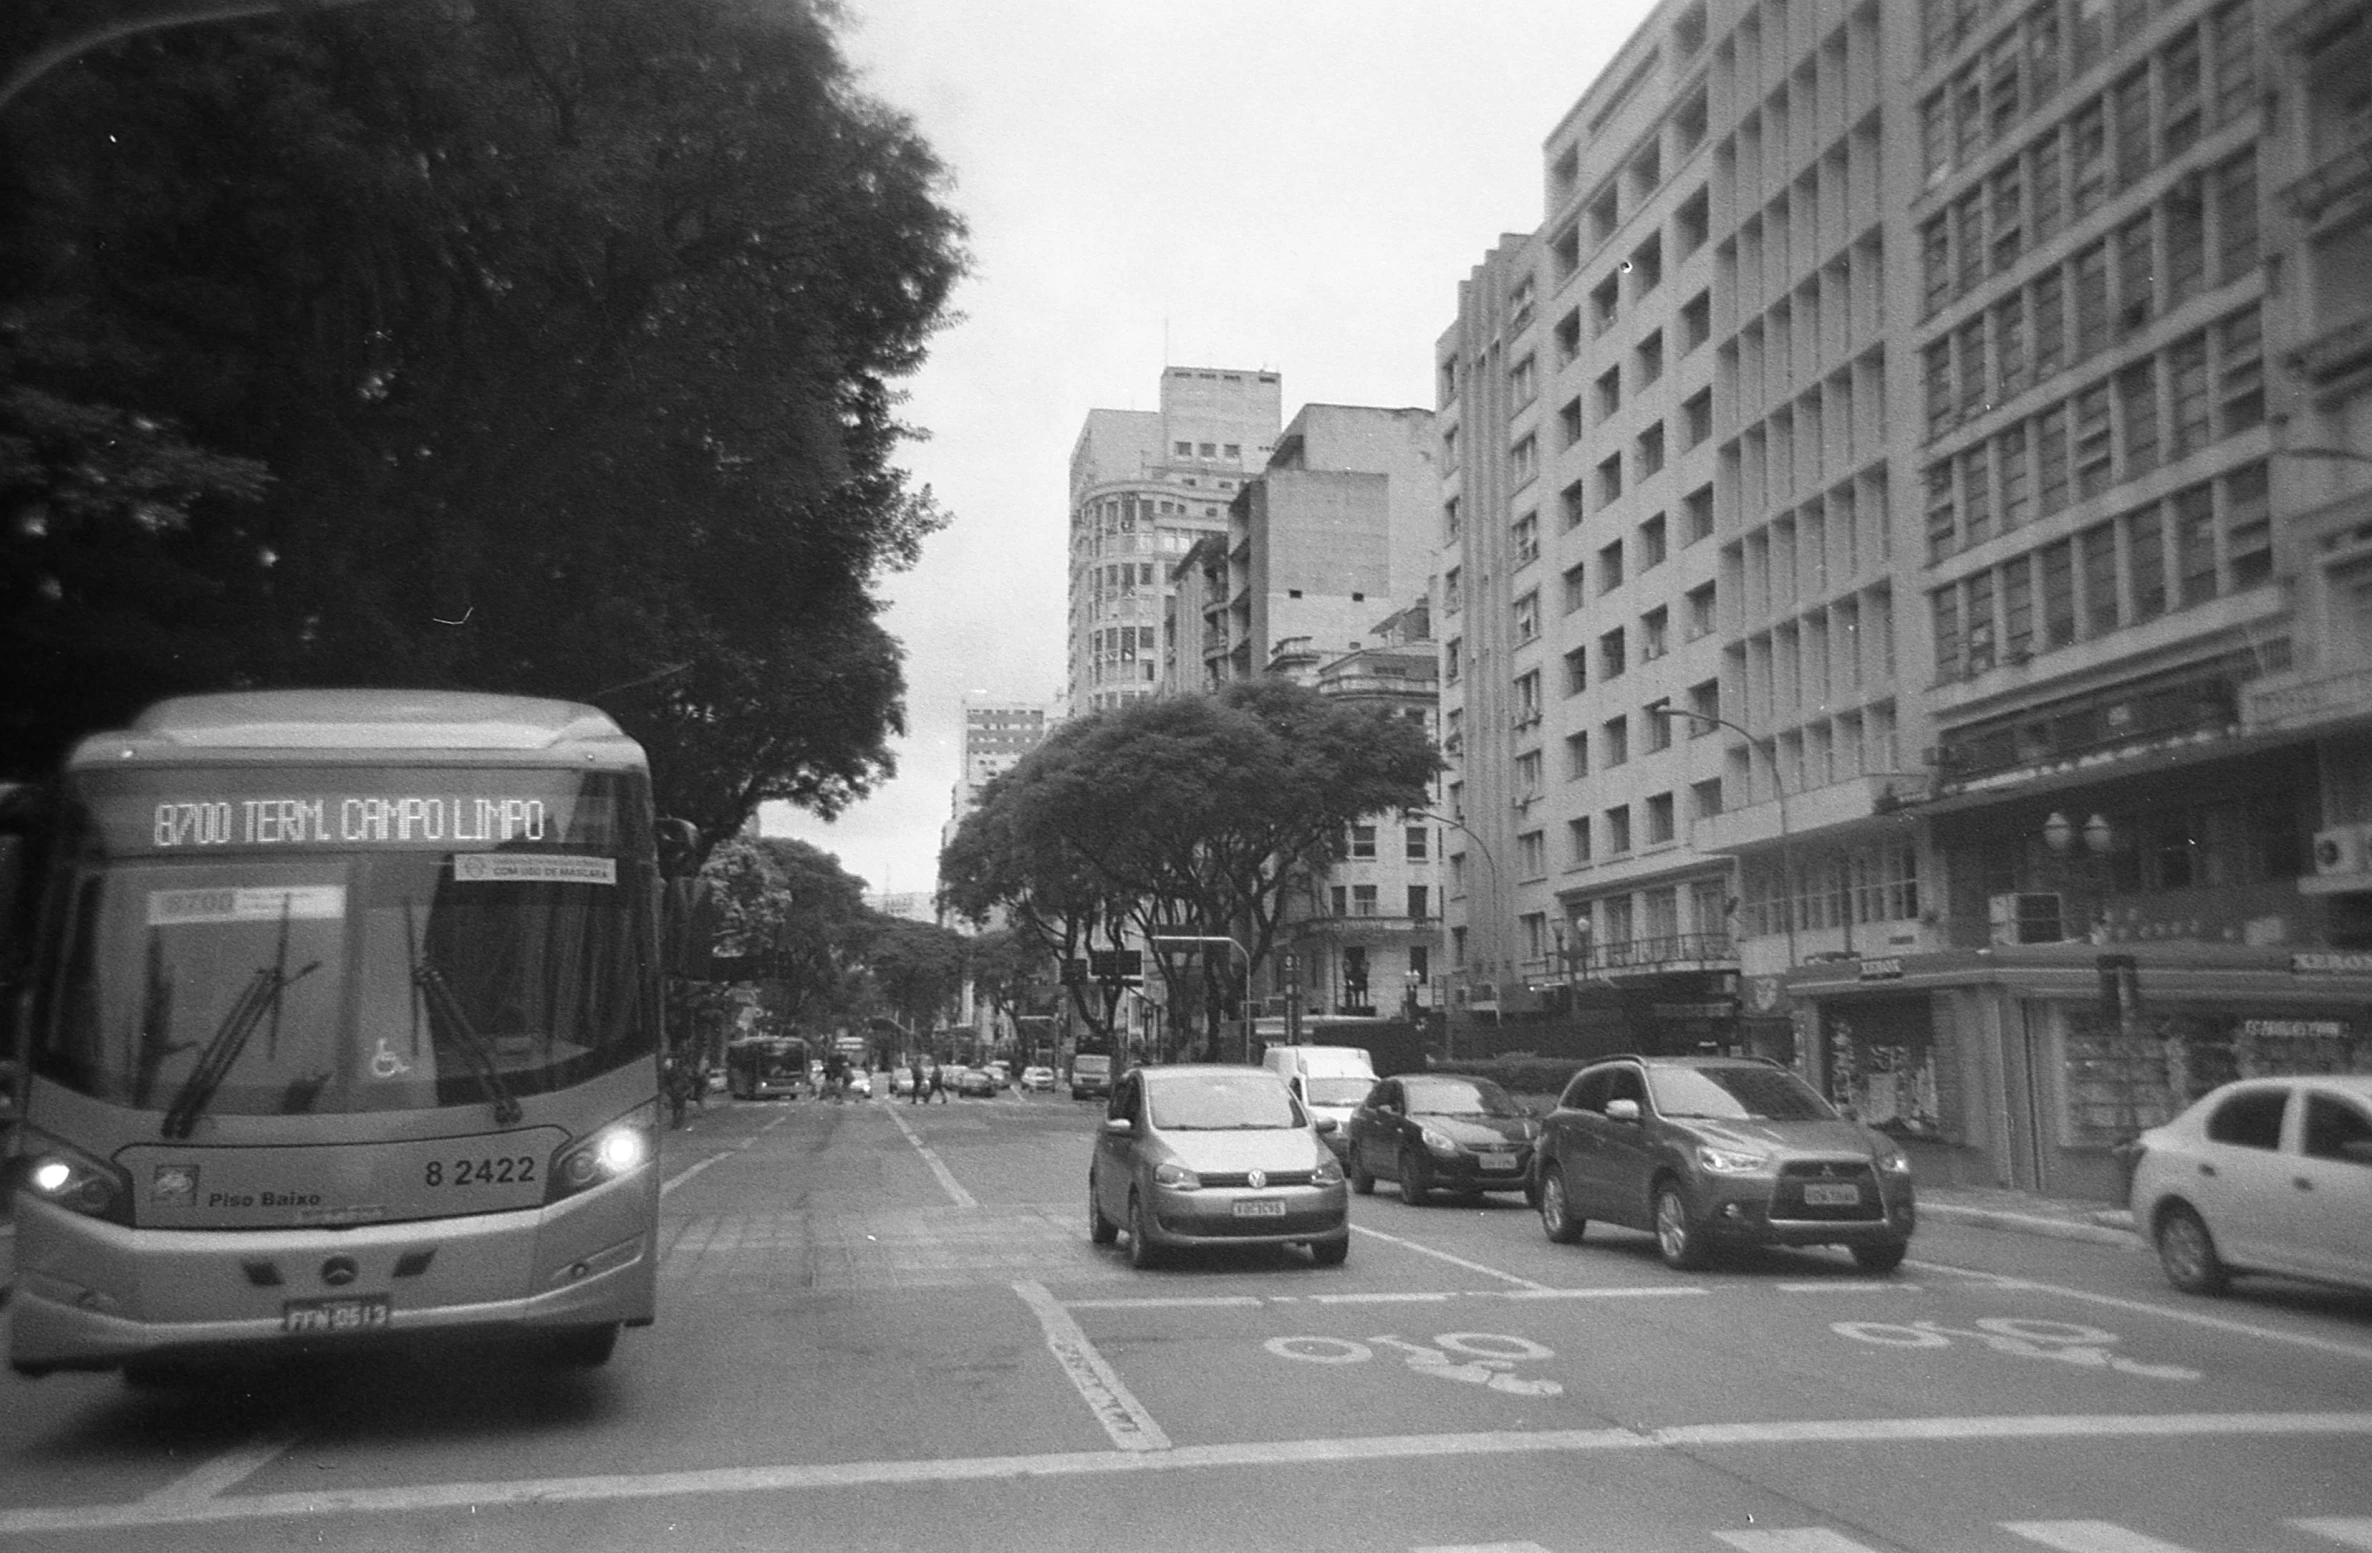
<point x="1098" y="1385"/>
<point x="2004" y="1281"/>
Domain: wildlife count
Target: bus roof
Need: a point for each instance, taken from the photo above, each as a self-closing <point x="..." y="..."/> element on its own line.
<point x="324" y="720"/>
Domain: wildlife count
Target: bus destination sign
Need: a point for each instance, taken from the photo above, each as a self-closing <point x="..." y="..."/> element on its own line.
<point x="409" y="819"/>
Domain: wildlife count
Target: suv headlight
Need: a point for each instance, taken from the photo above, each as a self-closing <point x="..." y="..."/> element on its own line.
<point x="1729" y="1162"/>
<point x="1893" y="1162"/>
<point x="1177" y="1177"/>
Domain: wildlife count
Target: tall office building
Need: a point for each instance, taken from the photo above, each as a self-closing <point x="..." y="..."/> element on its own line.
<point x="1145" y="486"/>
<point x="1904" y="516"/>
<point x="998" y="731"/>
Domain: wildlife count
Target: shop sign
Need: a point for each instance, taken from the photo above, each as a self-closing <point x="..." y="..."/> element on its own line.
<point x="1888" y="968"/>
<point x="2295" y="1029"/>
<point x="2355" y="962"/>
<point x="1718" y="1008"/>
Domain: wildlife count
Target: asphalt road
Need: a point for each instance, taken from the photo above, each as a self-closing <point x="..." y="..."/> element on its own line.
<point x="884" y="1327"/>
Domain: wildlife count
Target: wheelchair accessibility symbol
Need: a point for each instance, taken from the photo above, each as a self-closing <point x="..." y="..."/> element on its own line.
<point x="1473" y="1358"/>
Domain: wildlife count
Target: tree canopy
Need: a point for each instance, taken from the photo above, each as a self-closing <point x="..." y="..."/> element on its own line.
<point x="534" y="345"/>
<point x="1181" y="815"/>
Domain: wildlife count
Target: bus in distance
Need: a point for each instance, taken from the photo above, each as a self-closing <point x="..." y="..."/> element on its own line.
<point x="766" y="1067"/>
<point x="343" y="1030"/>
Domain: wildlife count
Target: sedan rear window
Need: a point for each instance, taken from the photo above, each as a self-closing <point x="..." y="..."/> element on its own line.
<point x="1747" y="1092"/>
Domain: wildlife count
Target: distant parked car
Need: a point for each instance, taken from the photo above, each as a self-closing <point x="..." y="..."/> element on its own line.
<point x="1705" y="1150"/>
<point x="1037" y="1079"/>
<point x="975" y="1084"/>
<point x="1445" y="1130"/>
<point x="2262" y="1175"/>
<point x="860" y="1083"/>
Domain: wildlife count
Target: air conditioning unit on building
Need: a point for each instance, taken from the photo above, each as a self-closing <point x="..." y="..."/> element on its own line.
<point x="2339" y="850"/>
<point x="2030" y="917"/>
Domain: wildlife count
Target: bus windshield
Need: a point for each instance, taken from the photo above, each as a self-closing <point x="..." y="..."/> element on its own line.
<point x="318" y="972"/>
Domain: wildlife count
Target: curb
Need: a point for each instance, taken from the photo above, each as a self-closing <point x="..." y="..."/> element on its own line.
<point x="2115" y="1231"/>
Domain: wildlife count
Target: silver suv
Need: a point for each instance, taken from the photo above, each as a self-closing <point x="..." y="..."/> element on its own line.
<point x="1708" y="1150"/>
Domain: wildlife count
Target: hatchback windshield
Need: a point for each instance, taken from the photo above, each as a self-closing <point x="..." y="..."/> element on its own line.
<point x="1746" y="1092"/>
<point x="1219" y="1102"/>
<point x="1459" y="1097"/>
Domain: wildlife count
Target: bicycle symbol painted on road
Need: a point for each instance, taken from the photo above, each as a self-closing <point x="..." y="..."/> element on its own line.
<point x="2065" y="1341"/>
<point x="1482" y="1358"/>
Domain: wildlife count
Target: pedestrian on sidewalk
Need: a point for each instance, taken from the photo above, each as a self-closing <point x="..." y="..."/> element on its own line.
<point x="918" y="1094"/>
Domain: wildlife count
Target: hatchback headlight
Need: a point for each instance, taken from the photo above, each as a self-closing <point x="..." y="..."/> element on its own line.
<point x="1328" y="1173"/>
<point x="1438" y="1142"/>
<point x="1177" y="1177"/>
<point x="1729" y="1162"/>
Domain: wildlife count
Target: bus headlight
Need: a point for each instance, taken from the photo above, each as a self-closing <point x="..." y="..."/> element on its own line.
<point x="81" y="1183"/>
<point x="620" y="1148"/>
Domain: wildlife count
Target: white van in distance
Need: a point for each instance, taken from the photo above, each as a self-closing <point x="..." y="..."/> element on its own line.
<point x="1331" y="1081"/>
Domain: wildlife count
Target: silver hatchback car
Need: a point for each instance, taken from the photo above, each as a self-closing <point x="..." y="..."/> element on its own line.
<point x="1206" y="1155"/>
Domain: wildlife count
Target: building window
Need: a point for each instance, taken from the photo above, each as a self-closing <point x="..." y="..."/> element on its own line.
<point x="1649" y="450"/>
<point x="1696" y="321"/>
<point x="1531" y="854"/>
<point x="1652" y="543"/>
<point x="1613" y="655"/>
<point x="1658" y="728"/>
<point x="1700" y="611"/>
<point x="1524" y="538"/>
<point x="1527" y="698"/>
<point x="1650" y="356"/>
<point x="1419" y="842"/>
<point x="1522" y="385"/>
<point x="1705" y="799"/>
<point x="1577" y="842"/>
<point x="1577" y="671"/>
<point x="1577" y="756"/>
<point x="1655" y="630"/>
<point x="1618" y="829"/>
<point x="1420" y="909"/>
<point x="1610" y="567"/>
<point x="1659" y="819"/>
<point x="1523" y="460"/>
<point x="1526" y="618"/>
<point x="1362" y="843"/>
<point x="1576" y="587"/>
<point x="1362" y="900"/>
<point x="1698" y="510"/>
<point x="1697" y="417"/>
<point x="1614" y="742"/>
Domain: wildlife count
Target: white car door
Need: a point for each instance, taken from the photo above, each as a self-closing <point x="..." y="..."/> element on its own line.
<point x="2325" y="1215"/>
<point x="2242" y="1173"/>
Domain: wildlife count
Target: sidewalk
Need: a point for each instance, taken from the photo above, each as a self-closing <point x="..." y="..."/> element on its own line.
<point x="1999" y="1208"/>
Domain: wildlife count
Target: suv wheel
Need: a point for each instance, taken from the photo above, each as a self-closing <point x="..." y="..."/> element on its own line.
<point x="1557" y="1218"/>
<point x="1677" y="1237"/>
<point x="1882" y="1258"/>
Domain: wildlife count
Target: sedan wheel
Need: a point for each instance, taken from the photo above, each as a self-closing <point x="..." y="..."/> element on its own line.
<point x="2188" y="1253"/>
<point x="1099" y="1229"/>
<point x="1676" y="1235"/>
<point x="1556" y="1209"/>
<point x="1416" y="1178"/>
<point x="1142" y="1252"/>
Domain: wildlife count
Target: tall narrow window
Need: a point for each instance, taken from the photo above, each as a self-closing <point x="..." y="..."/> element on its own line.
<point x="2058" y="588"/>
<point x="2240" y="372"/>
<point x="2137" y="406"/>
<point x="2097" y="554"/>
<point x="2194" y="545"/>
<point x="2145" y="544"/>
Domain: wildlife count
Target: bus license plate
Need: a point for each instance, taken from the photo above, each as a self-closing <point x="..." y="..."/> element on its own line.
<point x="1831" y="1194"/>
<point x="1260" y="1208"/>
<point x="362" y="1313"/>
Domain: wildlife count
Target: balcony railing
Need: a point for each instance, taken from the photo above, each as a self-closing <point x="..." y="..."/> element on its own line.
<point x="1639" y="956"/>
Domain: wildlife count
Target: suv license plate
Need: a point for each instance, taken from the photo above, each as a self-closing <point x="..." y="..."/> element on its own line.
<point x="1260" y="1208"/>
<point x="362" y="1313"/>
<point x="1831" y="1194"/>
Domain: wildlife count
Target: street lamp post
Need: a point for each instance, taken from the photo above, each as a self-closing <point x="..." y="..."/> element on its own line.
<point x="1449" y="1031"/>
<point x="1770" y="751"/>
<point x="1159" y="939"/>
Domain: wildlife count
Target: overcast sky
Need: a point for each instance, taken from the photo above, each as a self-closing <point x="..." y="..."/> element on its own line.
<point x="1297" y="185"/>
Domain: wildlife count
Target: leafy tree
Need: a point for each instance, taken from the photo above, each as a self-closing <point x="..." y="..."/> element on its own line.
<point x="1184" y="815"/>
<point x="533" y="345"/>
<point x="801" y="921"/>
<point x="917" y="968"/>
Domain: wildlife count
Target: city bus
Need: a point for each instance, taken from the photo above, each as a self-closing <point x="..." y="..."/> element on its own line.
<point x="343" y="1031"/>
<point x="766" y="1067"/>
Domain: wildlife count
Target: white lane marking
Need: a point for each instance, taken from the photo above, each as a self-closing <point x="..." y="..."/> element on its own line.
<point x="1851" y="1286"/>
<point x="1241" y="1301"/>
<point x="2352" y="1531"/>
<point x="1616" y="1292"/>
<point x="2330" y="1345"/>
<point x="1803" y="1539"/>
<point x="2088" y="1537"/>
<point x="1480" y="1547"/>
<point x="1454" y="1261"/>
<point x="947" y="1181"/>
<point x="1123" y="1417"/>
<point x="225" y="1471"/>
<point x="680" y="1177"/>
<point x="1177" y="1302"/>
<point x="797" y="1477"/>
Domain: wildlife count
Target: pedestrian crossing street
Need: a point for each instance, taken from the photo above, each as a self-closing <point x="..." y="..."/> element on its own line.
<point x="2313" y="1532"/>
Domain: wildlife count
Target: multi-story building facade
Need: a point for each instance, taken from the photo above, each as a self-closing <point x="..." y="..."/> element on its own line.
<point x="1145" y="485"/>
<point x="1919" y="586"/>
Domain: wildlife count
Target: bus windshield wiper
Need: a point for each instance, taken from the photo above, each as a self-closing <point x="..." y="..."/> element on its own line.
<point x="444" y="1008"/>
<point x="259" y="997"/>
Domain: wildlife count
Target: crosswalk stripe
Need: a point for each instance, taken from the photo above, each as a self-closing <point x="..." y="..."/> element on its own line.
<point x="1805" y="1539"/>
<point x="2088" y="1537"/>
<point x="2349" y="1531"/>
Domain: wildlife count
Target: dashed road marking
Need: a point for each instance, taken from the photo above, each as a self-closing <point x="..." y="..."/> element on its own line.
<point x="225" y="1471"/>
<point x="1454" y="1261"/>
<point x="939" y="1171"/>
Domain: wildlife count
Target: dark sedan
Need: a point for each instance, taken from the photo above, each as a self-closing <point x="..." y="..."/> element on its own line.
<point x="1440" y="1132"/>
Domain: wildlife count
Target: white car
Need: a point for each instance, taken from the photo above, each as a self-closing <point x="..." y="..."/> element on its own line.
<point x="2262" y="1175"/>
<point x="1035" y="1079"/>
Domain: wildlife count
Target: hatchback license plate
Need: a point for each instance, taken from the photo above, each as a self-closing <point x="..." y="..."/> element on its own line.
<point x="362" y="1313"/>
<point x="1495" y="1161"/>
<point x="1260" y="1208"/>
<point x="1831" y="1194"/>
